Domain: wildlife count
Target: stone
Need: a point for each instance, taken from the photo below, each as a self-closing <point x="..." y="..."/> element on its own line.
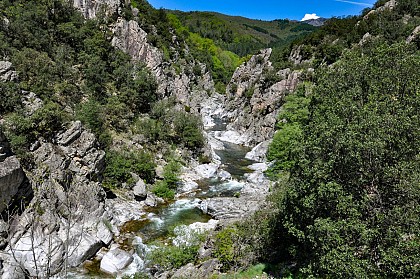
<point x="12" y="178"/>
<point x="130" y="38"/>
<point x="71" y="134"/>
<point x="151" y="200"/>
<point x="415" y="34"/>
<point x="252" y="118"/>
<point x="92" y="8"/>
<point x="103" y="232"/>
<point x="31" y="102"/>
<point x="47" y="252"/>
<point x="207" y="269"/>
<point x="6" y="72"/>
<point x="159" y="171"/>
<point x="258" y="153"/>
<point x="115" y="260"/>
<point x="84" y="246"/>
<point x="206" y="170"/>
<point x="187" y="235"/>
<point x="140" y="190"/>
<point x="224" y="175"/>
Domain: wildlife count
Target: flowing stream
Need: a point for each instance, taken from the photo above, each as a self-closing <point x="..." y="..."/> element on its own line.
<point x="184" y="211"/>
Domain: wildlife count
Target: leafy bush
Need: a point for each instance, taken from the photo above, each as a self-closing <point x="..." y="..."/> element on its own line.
<point x="172" y="257"/>
<point x="166" y="188"/>
<point x="9" y="97"/>
<point x="120" y="165"/>
<point x="287" y="142"/>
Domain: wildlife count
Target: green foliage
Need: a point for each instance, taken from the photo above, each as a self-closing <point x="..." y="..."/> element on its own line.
<point x="287" y="142"/>
<point x="120" y="165"/>
<point x="137" y="275"/>
<point x="172" y="257"/>
<point x="350" y="208"/>
<point x="224" y="248"/>
<point x="166" y="187"/>
<point x="187" y="129"/>
<point x="9" y="97"/>
<point x="241" y="35"/>
<point x="172" y="126"/>
<point x="162" y="189"/>
<point x="252" y="272"/>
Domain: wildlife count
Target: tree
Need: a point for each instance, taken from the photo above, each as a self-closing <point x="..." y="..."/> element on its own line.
<point x="351" y="208"/>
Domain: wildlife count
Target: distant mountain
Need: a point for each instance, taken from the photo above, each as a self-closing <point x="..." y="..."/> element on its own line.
<point x="316" y="22"/>
<point x="243" y="35"/>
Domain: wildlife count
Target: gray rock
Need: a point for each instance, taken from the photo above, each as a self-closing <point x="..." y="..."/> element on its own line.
<point x="230" y="208"/>
<point x="206" y="171"/>
<point x="92" y="8"/>
<point x="140" y="190"/>
<point x="224" y="175"/>
<point x="207" y="269"/>
<point x="31" y="102"/>
<point x="84" y="246"/>
<point x="188" y="235"/>
<point x="12" y="179"/>
<point x="151" y="200"/>
<point x="253" y="118"/>
<point x="115" y="260"/>
<point x="130" y="38"/>
<point x="159" y="171"/>
<point x="103" y="232"/>
<point x="71" y="134"/>
<point x="37" y="254"/>
<point x="415" y="34"/>
<point x="258" y="153"/>
<point x="6" y="72"/>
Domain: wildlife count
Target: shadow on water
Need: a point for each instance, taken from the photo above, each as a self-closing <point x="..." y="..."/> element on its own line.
<point x="233" y="159"/>
<point x="165" y="218"/>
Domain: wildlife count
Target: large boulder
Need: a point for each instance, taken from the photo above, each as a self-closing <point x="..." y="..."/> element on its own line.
<point x="115" y="260"/>
<point x="140" y="190"/>
<point x="12" y="177"/>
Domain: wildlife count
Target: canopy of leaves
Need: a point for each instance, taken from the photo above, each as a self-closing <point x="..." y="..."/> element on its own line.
<point x="351" y="207"/>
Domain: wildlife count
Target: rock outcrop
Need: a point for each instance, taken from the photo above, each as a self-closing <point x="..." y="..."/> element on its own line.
<point x="64" y="222"/>
<point x="415" y="35"/>
<point x="93" y="8"/>
<point x="13" y="182"/>
<point x="130" y="38"/>
<point x="6" y="72"/>
<point x="254" y="102"/>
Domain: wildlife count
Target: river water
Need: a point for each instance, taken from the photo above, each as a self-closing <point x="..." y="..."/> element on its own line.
<point x="184" y="211"/>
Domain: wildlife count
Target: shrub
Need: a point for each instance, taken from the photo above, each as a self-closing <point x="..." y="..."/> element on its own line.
<point x="120" y="165"/>
<point x="161" y="189"/>
<point x="170" y="257"/>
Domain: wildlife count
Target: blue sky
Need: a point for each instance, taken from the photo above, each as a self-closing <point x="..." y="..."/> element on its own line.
<point x="269" y="9"/>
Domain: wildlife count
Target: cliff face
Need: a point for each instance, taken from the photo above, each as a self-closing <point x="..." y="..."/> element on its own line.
<point x="12" y="176"/>
<point x="93" y="8"/>
<point x="254" y="97"/>
<point x="64" y="220"/>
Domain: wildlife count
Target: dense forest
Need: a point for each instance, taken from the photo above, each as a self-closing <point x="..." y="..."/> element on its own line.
<point x="345" y="158"/>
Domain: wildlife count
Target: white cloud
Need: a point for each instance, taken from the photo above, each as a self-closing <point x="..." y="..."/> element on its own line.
<point x="309" y="16"/>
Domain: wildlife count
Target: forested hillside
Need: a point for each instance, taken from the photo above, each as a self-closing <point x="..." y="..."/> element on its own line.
<point x="241" y="35"/>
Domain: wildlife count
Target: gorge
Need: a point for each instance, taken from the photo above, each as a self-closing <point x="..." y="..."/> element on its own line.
<point x="134" y="147"/>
